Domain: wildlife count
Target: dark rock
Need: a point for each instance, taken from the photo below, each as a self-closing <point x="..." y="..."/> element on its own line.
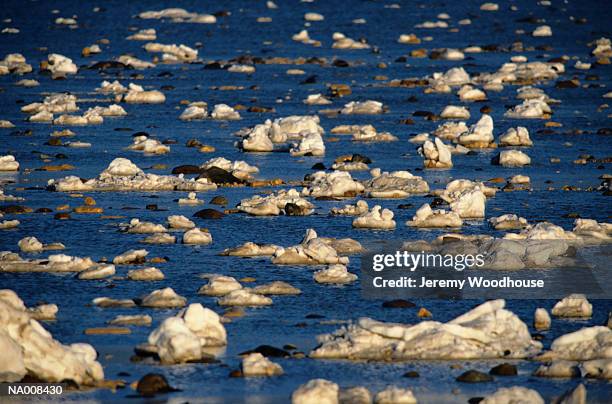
<point x="219" y="200"/>
<point x="291" y="209"/>
<point x="405" y="206"/>
<point x="567" y="84"/>
<point x="398" y="304"/>
<point x="260" y="109"/>
<point x="268" y="351"/>
<point x="194" y="143"/>
<point x="186" y="169"/>
<point x="54" y="141"/>
<point x="314" y="316"/>
<point x="62" y="216"/>
<point x="14" y="209"/>
<point x="220" y="176"/>
<point x="44" y="210"/>
<point x="318" y="166"/>
<point x="312" y="79"/>
<point x="572" y="215"/>
<point x="360" y="158"/>
<point x="152" y="206"/>
<point x="475" y="400"/>
<point x="474" y="376"/>
<point x="485" y="110"/>
<point x="340" y="63"/>
<point x="107" y="65"/>
<point x="213" y="66"/>
<point x="327" y="198"/>
<point x="438" y="202"/>
<point x="604" y="131"/>
<point x="209" y="214"/>
<point x="153" y="383"/>
<point x="339" y="90"/>
<point x="236" y="373"/>
<point x="504" y="369"/>
<point x="289" y="347"/>
<point x="411" y="373"/>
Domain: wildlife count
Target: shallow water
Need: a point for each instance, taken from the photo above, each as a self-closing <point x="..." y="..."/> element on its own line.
<point x="239" y="34"/>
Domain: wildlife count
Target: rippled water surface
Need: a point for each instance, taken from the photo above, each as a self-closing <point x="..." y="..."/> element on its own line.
<point x="239" y="34"/>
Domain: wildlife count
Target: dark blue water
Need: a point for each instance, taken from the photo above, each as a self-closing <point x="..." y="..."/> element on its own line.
<point x="240" y="34"/>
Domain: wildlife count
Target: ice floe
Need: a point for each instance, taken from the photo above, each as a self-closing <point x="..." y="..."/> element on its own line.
<point x="377" y="218"/>
<point x="256" y="364"/>
<point x="186" y="336"/>
<point x="123" y="175"/>
<point x="30" y="349"/>
<point x="428" y="218"/>
<point x="312" y="250"/>
<point x="486" y="332"/>
<point x="335" y="274"/>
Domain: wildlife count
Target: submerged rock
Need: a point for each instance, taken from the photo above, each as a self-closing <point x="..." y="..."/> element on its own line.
<point x="153" y="383"/>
